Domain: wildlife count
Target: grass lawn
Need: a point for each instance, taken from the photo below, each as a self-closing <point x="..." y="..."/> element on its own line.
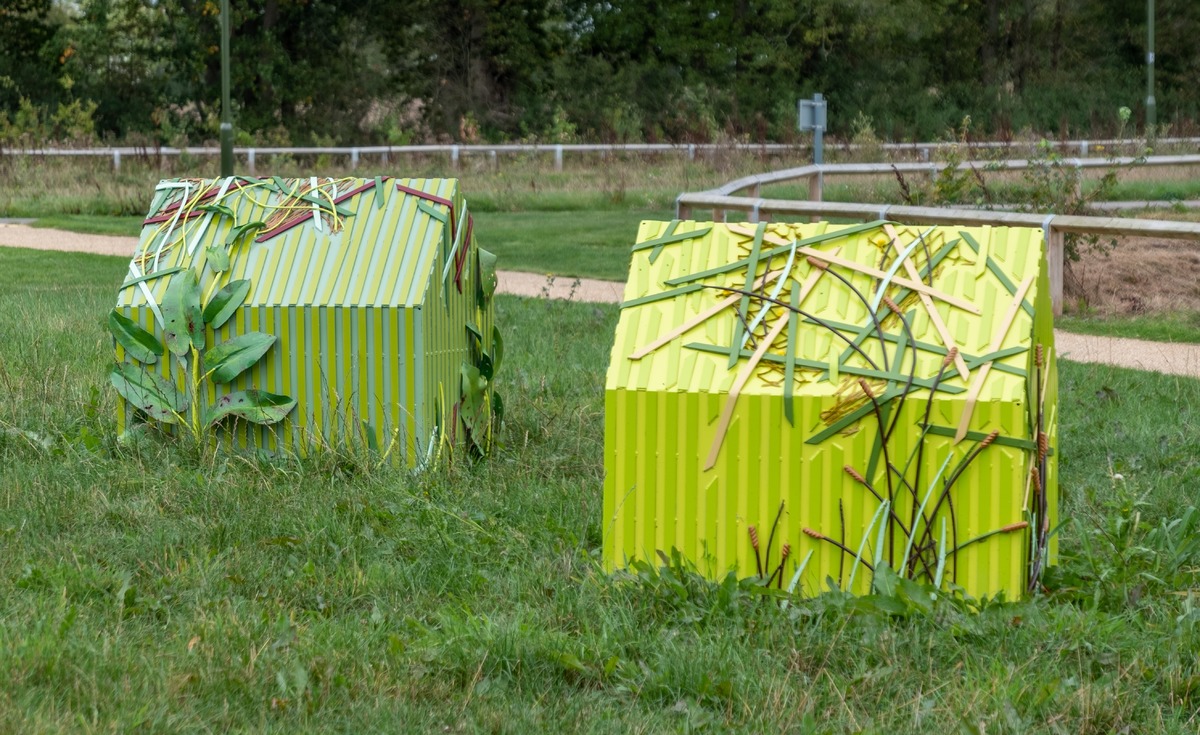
<point x="1175" y="327"/>
<point x="588" y="244"/>
<point x="93" y="224"/>
<point x="152" y="586"/>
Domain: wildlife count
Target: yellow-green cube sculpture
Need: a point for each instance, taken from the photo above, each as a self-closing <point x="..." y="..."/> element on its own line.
<point x="810" y="402"/>
<point x="380" y="299"/>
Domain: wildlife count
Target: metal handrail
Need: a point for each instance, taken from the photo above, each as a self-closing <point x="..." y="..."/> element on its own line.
<point x="723" y="199"/>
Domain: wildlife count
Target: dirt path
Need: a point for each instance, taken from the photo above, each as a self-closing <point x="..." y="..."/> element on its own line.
<point x="1170" y="358"/>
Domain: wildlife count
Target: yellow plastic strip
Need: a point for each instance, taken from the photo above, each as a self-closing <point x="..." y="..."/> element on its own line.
<point x="917" y="286"/>
<point x="699" y="318"/>
<point x="742" y="378"/>
<point x="934" y="316"/>
<point x="997" y="343"/>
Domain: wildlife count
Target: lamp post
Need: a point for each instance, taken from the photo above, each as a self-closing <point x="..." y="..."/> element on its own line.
<point x="1151" y="116"/>
<point x="226" y="124"/>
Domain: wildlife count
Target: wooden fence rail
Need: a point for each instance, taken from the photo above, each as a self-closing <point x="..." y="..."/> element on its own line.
<point x="457" y="151"/>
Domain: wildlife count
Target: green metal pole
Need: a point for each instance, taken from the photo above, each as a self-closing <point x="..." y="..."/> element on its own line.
<point x="1151" y="113"/>
<point x="226" y="124"/>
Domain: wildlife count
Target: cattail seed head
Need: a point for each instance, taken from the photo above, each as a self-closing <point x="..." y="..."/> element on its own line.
<point x="987" y="440"/>
<point x="1039" y="356"/>
<point x="754" y="537"/>
<point x="1015" y="526"/>
<point x="815" y="263"/>
<point x="892" y="305"/>
<point x="1043" y="446"/>
<point x="854" y="473"/>
<point x="787" y="551"/>
<point x="951" y="356"/>
<point x="1037" y="480"/>
<point x="866" y="387"/>
<point x="814" y="534"/>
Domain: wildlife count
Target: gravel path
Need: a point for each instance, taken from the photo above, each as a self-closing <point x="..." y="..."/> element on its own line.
<point x="1162" y="357"/>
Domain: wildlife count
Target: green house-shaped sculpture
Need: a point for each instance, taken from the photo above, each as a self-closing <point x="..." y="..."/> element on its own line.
<point x="374" y="288"/>
<point x="808" y="402"/>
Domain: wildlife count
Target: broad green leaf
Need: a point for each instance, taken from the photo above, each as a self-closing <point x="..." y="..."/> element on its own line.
<point x="218" y="258"/>
<point x="224" y="302"/>
<point x="497" y="348"/>
<point x="485" y="366"/>
<point x="371" y="437"/>
<point x="497" y="410"/>
<point x="474" y="389"/>
<point x="255" y="406"/>
<point x="219" y="209"/>
<point x="140" y="344"/>
<point x="147" y="391"/>
<point x="183" y="322"/>
<point x="229" y="359"/>
<point x="243" y="231"/>
<point x="487" y="272"/>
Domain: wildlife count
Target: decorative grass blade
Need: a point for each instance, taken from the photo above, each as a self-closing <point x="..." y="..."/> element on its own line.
<point x="881" y="535"/>
<point x="149" y="392"/>
<point x="150" y="277"/>
<point x="779" y="250"/>
<point x="739" y="325"/>
<point x="138" y="343"/>
<point x="255" y="406"/>
<point x="981" y="374"/>
<point x="183" y="322"/>
<point x="900" y="260"/>
<point x="941" y="566"/>
<point x="231" y="358"/>
<point x="935" y="316"/>
<point x="862" y="545"/>
<point x="789" y="365"/>
<point x="226" y="301"/>
<point x="736" y="389"/>
<point x="996" y="270"/>
<point x="912" y="535"/>
<point x="791" y="588"/>
<point x="824" y="368"/>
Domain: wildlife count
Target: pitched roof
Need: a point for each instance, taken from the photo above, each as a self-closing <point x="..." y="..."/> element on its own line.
<point x="306" y="242"/>
<point x="696" y="290"/>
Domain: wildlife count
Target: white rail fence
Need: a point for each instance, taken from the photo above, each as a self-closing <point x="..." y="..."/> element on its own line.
<point x="731" y="198"/>
<point x="456" y="152"/>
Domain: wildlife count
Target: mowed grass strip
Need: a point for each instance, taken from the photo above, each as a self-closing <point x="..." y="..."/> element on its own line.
<point x="151" y="585"/>
<point x="572" y="243"/>
<point x="1170" y="327"/>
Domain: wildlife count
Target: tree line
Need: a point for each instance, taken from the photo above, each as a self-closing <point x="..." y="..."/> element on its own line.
<point x="400" y="71"/>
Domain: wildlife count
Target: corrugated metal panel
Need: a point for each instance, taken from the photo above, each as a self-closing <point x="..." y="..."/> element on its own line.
<point x="352" y="309"/>
<point x="662" y="410"/>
